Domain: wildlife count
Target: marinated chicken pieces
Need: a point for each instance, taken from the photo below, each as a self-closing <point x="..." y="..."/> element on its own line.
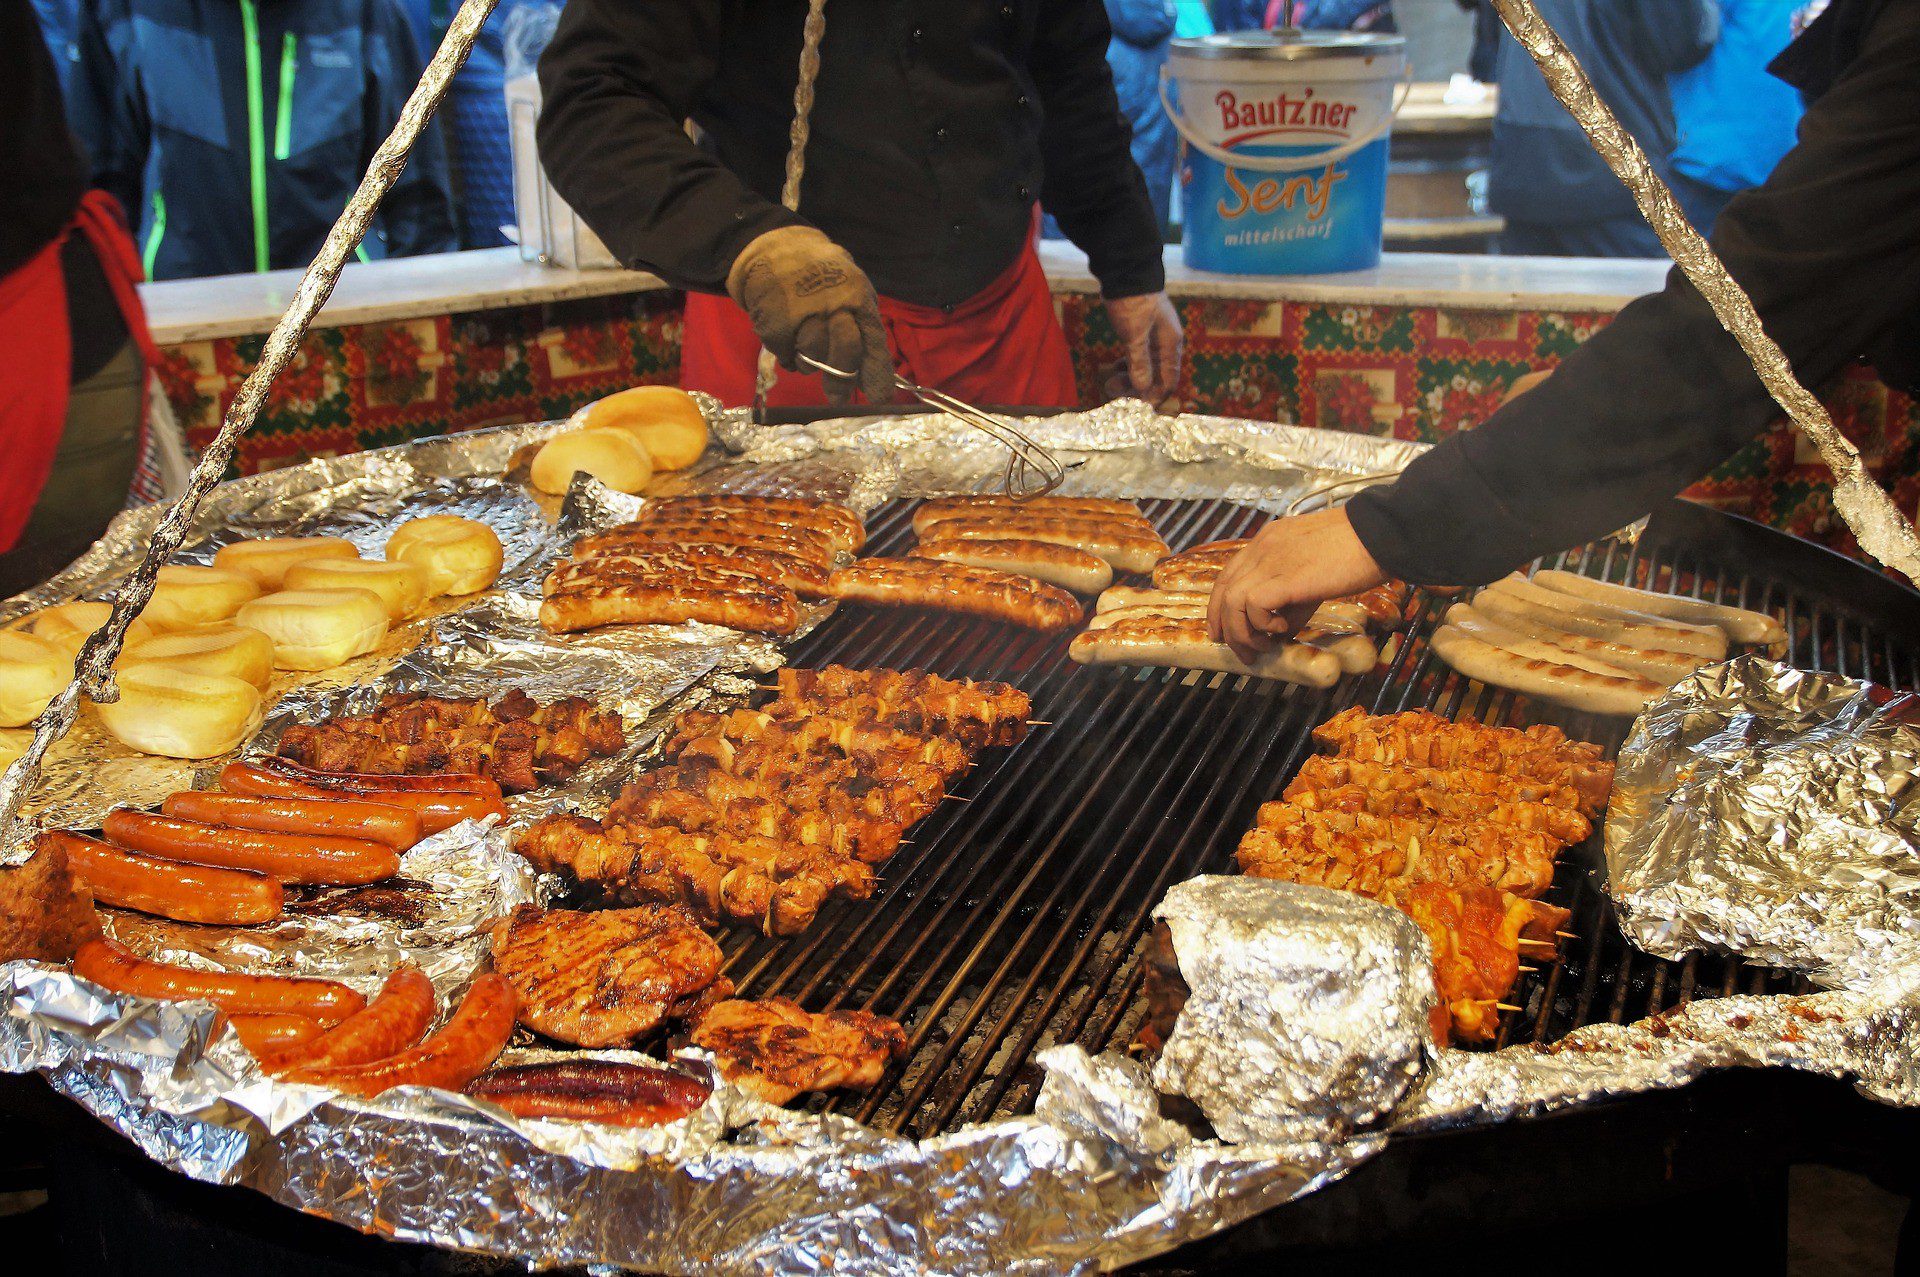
<point x="516" y="740"/>
<point x="603" y="979"/>
<point x="777" y="1050"/>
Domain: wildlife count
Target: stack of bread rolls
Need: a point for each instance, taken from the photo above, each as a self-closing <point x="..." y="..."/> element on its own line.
<point x="624" y="439"/>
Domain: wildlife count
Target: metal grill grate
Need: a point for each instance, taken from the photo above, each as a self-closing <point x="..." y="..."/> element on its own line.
<point x="1014" y="918"/>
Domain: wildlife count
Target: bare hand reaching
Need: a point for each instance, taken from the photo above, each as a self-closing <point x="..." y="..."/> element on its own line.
<point x="1268" y="590"/>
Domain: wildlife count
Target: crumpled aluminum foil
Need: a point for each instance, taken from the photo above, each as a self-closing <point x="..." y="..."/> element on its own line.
<point x="1307" y="1008"/>
<point x="1776" y="814"/>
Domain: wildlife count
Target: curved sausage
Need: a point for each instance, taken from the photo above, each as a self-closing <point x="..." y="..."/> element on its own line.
<point x="264" y="1032"/>
<point x="1183" y="644"/>
<point x="111" y="967"/>
<point x="396" y="1019"/>
<point x="170" y="889"/>
<point x="1743" y="625"/>
<point x="1066" y="566"/>
<point x="396" y="827"/>
<point x="452" y="1056"/>
<point x="437" y="811"/>
<point x="375" y="783"/>
<point x="1547" y="680"/>
<point x="606" y="1091"/>
<point x="1613" y="624"/>
<point x="297" y="858"/>
<point x="1664" y="668"/>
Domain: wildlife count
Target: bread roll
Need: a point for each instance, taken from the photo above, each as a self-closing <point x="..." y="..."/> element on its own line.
<point x="267" y="561"/>
<point x="32" y="672"/>
<point x="613" y="457"/>
<point x="13" y="743"/>
<point x="318" y="629"/>
<point x="178" y="713"/>
<point x="401" y="586"/>
<point x="234" y="651"/>
<point x="456" y="555"/>
<point x="664" y="420"/>
<point x="186" y="595"/>
<point x="68" y="625"/>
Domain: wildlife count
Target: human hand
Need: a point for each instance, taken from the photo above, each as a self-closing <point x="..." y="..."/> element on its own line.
<point x="805" y="296"/>
<point x="1150" y="331"/>
<point x="1268" y="590"/>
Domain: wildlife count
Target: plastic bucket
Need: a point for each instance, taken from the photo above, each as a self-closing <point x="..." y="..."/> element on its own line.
<point x="1285" y="145"/>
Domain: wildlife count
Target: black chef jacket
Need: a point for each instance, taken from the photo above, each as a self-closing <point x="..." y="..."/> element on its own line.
<point x="1829" y="251"/>
<point x="936" y="125"/>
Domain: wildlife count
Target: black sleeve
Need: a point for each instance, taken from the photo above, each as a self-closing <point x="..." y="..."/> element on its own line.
<point x="616" y="83"/>
<point x="1829" y="251"/>
<point x="1091" y="184"/>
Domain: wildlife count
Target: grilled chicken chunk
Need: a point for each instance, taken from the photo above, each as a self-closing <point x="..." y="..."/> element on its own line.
<point x="777" y="1050"/>
<point x="603" y="979"/>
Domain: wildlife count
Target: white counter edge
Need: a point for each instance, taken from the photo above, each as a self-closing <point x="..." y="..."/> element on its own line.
<point x="187" y="310"/>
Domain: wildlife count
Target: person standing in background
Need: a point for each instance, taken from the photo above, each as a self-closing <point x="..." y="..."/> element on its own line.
<point x="234" y="131"/>
<point x="1320" y="15"/>
<point x="1733" y="119"/>
<point x="60" y="25"/>
<point x="1557" y="195"/>
<point x="1142" y="30"/>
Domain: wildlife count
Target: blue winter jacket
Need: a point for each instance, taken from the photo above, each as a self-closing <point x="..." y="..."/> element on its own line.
<point x="1141" y="30"/>
<point x="1735" y="119"/>
<point x="235" y="130"/>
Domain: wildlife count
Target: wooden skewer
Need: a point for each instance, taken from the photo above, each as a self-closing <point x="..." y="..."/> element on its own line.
<point x="1544" y="944"/>
<point x="1039" y="722"/>
<point x="958" y="799"/>
<point x="1566" y="935"/>
<point x="1507" y="1006"/>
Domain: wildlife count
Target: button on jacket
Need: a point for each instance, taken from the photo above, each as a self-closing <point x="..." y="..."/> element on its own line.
<point x="235" y="130"/>
<point x="936" y="124"/>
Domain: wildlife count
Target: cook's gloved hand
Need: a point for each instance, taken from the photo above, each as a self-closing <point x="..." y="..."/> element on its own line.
<point x="806" y="297"/>
<point x="1151" y="333"/>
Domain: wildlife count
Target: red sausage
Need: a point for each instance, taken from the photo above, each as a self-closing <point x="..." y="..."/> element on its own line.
<point x="265" y="1032"/>
<point x="374" y="783"/>
<point x="437" y="810"/>
<point x="452" y="1056"/>
<point x="392" y="1022"/>
<point x="108" y="965"/>
<point x="345" y="818"/>
<point x="593" y="1091"/>
<point x="302" y="858"/>
<point x="169" y="889"/>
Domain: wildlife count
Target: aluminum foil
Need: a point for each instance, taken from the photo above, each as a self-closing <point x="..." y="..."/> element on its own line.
<point x="1776" y="814"/>
<point x="1307" y="1009"/>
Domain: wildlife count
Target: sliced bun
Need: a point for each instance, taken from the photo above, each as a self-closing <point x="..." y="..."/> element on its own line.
<point x="267" y="561"/>
<point x="614" y="457"/>
<point x="68" y="625"/>
<point x="180" y="714"/>
<point x="233" y="651"/>
<point x="457" y="555"/>
<point x="318" y="629"/>
<point x="664" y="420"/>
<point x="32" y="672"/>
<point x="186" y="595"/>
<point x="401" y="586"/>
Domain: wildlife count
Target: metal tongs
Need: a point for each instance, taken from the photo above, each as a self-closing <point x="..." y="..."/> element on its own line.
<point x="1032" y="471"/>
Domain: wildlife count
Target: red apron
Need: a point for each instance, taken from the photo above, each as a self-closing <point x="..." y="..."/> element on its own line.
<point x="1001" y="346"/>
<point x="36" y="361"/>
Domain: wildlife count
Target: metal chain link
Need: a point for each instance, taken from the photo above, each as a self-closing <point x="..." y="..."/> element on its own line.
<point x="811" y="35"/>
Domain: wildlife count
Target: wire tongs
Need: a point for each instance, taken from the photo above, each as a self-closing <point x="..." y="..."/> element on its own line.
<point x="1032" y="471"/>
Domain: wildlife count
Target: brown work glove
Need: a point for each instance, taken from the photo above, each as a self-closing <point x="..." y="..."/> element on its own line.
<point x="806" y="297"/>
<point x="1150" y="330"/>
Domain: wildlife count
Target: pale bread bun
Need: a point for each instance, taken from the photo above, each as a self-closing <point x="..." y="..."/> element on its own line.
<point x="267" y="561"/>
<point x="235" y="651"/>
<point x="12" y="745"/>
<point x="664" y="420"/>
<point x="613" y="457"/>
<point x="32" y="672"/>
<point x="68" y="625"/>
<point x="185" y="595"/>
<point x="180" y="714"/>
<point x="318" y="629"/>
<point x="401" y="586"/>
<point x="457" y="555"/>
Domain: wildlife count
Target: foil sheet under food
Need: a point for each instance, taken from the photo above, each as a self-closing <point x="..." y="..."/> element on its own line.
<point x="1098" y="1177"/>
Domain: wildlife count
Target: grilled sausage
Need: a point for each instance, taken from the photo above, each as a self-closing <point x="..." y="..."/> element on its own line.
<point x="1061" y="565"/>
<point x="808" y="580"/>
<point x="953" y="587"/>
<point x="169" y="889"/>
<point x="1356" y="653"/>
<point x="1166" y="611"/>
<point x="1546" y="679"/>
<point x="812" y="547"/>
<point x="395" y="827"/>
<point x="605" y="1091"/>
<point x="396" y="1019"/>
<point x="1183" y="644"/>
<point x="1195" y="576"/>
<point x="384" y="783"/>
<point x="1605" y="621"/>
<point x="436" y="810"/>
<point x="450" y="1057"/>
<point x="1742" y="625"/>
<point x="1127" y="548"/>
<point x="824" y="516"/>
<point x="297" y="858"/>
<point x="758" y="522"/>
<point x="1664" y="668"/>
<point x="108" y="965"/>
<point x="771" y="610"/>
<point x="1209" y="552"/>
<point x="940" y="509"/>
<point x="1132" y="596"/>
<point x="264" y="1032"/>
<point x="619" y="572"/>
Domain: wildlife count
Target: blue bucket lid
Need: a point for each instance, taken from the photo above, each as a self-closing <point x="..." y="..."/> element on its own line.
<point x="1287" y="44"/>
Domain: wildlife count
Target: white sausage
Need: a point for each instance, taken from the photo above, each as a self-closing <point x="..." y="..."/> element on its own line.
<point x="1355" y="652"/>
<point x="1743" y="625"/>
<point x="1614" y="624"/>
<point x="1182" y="646"/>
<point x="1547" y="680"/>
<point x="1462" y="617"/>
<point x="1065" y="566"/>
<point x="1138" y="596"/>
<point x="1172" y="612"/>
<point x="1664" y="668"/>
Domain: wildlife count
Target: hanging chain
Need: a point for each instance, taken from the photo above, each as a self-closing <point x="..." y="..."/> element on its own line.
<point x="810" y="36"/>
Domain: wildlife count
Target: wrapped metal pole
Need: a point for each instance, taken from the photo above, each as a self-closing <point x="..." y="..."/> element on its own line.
<point x="1868" y="511"/>
<point x="93" y="669"/>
